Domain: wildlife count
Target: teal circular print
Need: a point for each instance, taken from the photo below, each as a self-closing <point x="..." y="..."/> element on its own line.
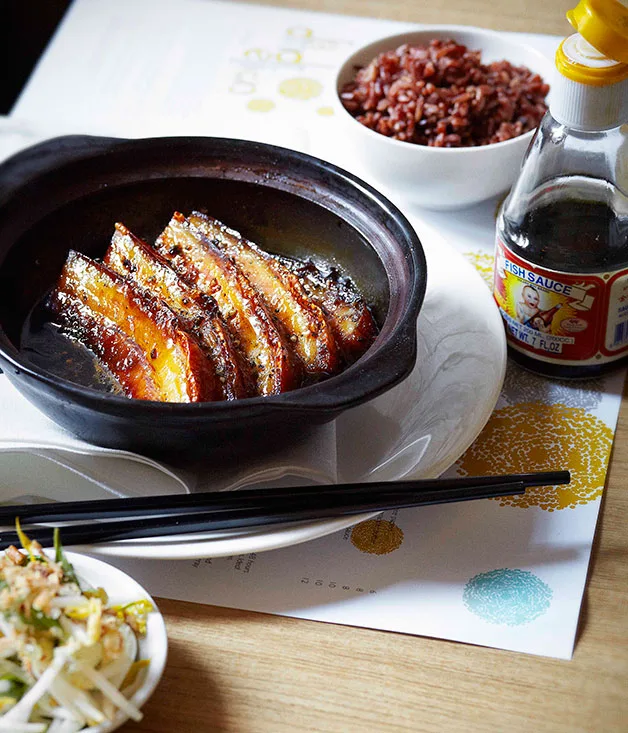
<point x="510" y="597"/>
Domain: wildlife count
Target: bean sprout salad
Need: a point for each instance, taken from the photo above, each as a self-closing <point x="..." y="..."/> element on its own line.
<point x="68" y="659"/>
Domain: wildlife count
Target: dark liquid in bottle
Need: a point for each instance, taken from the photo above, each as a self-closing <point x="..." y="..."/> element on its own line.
<point x="569" y="235"/>
<point x="572" y="236"/>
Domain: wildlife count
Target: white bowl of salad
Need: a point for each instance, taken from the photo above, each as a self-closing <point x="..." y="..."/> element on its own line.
<point x="82" y="645"/>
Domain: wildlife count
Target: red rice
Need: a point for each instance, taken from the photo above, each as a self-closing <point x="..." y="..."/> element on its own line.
<point x="441" y="95"/>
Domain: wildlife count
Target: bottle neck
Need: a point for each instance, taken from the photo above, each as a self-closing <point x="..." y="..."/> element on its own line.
<point x="588" y="108"/>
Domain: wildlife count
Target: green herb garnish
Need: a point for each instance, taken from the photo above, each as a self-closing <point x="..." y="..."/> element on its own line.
<point x="12" y="686"/>
<point x="39" y="620"/>
<point x="69" y="576"/>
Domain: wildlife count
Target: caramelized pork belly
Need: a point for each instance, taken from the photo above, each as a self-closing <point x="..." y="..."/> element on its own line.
<point x="301" y="319"/>
<point x="201" y="263"/>
<point x="180" y="369"/>
<point x="119" y="353"/>
<point x="136" y="260"/>
<point x="349" y="317"/>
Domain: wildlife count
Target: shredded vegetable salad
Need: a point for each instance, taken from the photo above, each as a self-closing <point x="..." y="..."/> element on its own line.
<point x="68" y="659"/>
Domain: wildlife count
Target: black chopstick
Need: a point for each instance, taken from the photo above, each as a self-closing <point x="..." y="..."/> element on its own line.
<point x="274" y="511"/>
<point x="228" y="500"/>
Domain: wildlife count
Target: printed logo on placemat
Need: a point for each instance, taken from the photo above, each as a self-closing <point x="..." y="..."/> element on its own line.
<point x="295" y="64"/>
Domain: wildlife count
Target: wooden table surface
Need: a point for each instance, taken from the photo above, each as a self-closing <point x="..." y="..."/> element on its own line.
<point x="247" y="672"/>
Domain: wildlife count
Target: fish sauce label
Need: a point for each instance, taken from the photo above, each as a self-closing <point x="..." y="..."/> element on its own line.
<point x="558" y="317"/>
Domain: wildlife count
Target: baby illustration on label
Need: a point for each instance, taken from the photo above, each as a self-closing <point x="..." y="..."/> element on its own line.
<point x="529" y="312"/>
<point x="528" y="304"/>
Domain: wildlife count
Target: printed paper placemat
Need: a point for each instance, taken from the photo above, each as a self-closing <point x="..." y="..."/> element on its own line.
<point x="508" y="573"/>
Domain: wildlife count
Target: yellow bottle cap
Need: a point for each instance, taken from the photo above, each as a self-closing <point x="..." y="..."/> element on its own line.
<point x="598" y="56"/>
<point x="604" y="23"/>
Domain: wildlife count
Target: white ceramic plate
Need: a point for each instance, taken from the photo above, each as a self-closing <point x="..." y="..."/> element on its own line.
<point x="425" y="423"/>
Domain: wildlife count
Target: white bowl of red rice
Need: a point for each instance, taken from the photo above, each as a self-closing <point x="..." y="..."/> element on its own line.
<point x="443" y="115"/>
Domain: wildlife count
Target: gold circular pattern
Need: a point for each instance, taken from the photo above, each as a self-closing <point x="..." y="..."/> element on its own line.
<point x="376" y="537"/>
<point x="325" y="111"/>
<point x="260" y="105"/>
<point x="300" y="88"/>
<point x="483" y="263"/>
<point x="533" y="436"/>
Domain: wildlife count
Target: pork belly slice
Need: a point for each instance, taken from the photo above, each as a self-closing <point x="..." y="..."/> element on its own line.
<point x="349" y="317"/>
<point x="180" y="369"/>
<point x="202" y="264"/>
<point x="129" y="256"/>
<point x="302" y="320"/>
<point x="120" y="354"/>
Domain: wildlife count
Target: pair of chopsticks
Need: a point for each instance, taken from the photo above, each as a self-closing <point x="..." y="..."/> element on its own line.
<point x="159" y="516"/>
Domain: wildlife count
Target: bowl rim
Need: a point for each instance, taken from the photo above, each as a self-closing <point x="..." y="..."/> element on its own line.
<point x="313" y="398"/>
<point x="156" y="634"/>
<point x="397" y="39"/>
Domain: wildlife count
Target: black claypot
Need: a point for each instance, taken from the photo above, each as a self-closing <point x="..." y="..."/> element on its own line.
<point x="68" y="192"/>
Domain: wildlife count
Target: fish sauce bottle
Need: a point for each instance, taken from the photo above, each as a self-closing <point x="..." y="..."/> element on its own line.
<point x="561" y="258"/>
